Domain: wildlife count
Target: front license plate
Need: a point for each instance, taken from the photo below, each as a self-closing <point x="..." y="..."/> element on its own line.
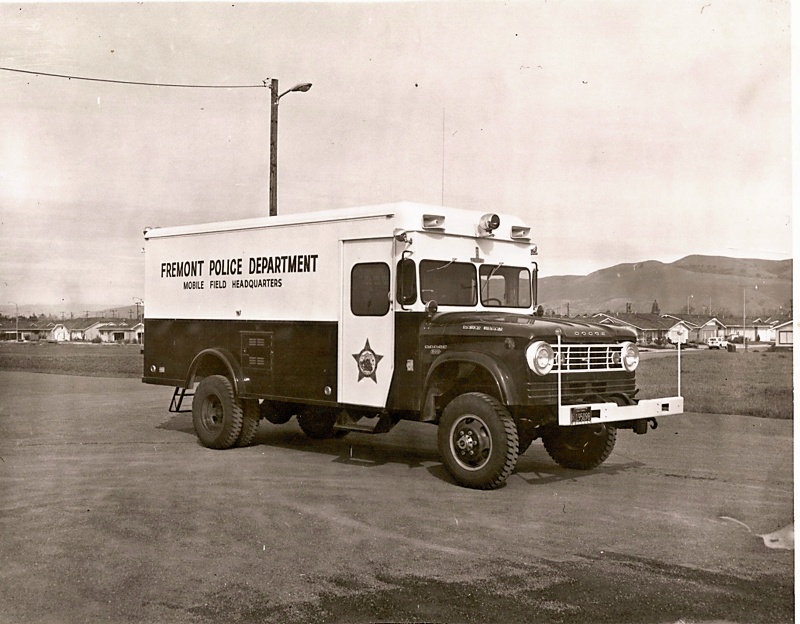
<point x="580" y="415"/>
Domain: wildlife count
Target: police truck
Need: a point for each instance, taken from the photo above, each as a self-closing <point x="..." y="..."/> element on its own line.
<point x="352" y="320"/>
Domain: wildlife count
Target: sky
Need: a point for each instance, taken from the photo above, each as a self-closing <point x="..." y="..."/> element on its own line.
<point x="621" y="131"/>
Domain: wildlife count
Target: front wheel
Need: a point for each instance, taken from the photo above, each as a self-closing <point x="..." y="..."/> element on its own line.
<point x="478" y="441"/>
<point x="216" y="413"/>
<point x="580" y="448"/>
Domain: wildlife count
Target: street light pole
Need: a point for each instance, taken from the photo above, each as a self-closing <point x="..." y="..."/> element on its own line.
<point x="16" y="318"/>
<point x="687" y="303"/>
<point x="275" y="96"/>
<point x="744" y="318"/>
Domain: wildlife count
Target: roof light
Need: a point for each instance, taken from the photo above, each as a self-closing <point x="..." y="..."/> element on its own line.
<point x="488" y="223"/>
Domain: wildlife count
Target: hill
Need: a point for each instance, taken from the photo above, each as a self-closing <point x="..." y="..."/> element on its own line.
<point x="711" y="284"/>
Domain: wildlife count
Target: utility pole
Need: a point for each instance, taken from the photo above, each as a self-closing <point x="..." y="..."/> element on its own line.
<point x="273" y="138"/>
<point x="273" y="147"/>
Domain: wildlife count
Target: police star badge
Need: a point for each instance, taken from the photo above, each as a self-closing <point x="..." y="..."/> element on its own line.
<point x="367" y="361"/>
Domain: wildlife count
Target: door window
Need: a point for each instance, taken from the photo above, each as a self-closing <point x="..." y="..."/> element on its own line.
<point x="505" y="286"/>
<point x="369" y="289"/>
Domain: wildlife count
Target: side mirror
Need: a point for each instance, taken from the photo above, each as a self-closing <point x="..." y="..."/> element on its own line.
<point x="431" y="307"/>
<point x="539" y="310"/>
<point x="406" y="281"/>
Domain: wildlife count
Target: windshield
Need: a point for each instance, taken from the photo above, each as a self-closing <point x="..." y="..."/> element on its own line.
<point x="505" y="286"/>
<point x="448" y="282"/>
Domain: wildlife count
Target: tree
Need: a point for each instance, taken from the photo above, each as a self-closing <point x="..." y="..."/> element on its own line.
<point x="655" y="309"/>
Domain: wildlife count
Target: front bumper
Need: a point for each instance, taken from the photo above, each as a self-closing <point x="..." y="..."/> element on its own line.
<point x="593" y="413"/>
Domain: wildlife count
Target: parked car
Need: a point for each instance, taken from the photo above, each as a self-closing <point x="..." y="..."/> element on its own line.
<point x="715" y="342"/>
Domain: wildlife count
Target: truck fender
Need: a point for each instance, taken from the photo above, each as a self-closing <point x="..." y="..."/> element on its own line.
<point x="223" y="357"/>
<point x="502" y="378"/>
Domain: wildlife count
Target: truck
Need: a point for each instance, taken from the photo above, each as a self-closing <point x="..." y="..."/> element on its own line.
<point x="352" y="320"/>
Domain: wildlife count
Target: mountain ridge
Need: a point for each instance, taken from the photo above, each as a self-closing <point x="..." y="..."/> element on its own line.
<point x="713" y="285"/>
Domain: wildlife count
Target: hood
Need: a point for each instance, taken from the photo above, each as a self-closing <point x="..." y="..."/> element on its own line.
<point x="526" y="326"/>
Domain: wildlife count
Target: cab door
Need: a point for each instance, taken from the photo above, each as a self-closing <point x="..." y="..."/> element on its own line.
<point x="366" y="340"/>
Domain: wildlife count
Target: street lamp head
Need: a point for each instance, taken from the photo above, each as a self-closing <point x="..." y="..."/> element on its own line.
<point x="303" y="86"/>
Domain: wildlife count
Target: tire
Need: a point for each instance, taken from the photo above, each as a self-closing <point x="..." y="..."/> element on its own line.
<point x="250" y="420"/>
<point x="216" y="413"/>
<point x="580" y="448"/>
<point x="478" y="441"/>
<point x="277" y="413"/>
<point x="318" y="424"/>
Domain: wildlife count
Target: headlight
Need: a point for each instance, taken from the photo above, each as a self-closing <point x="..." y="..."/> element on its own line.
<point x="540" y="357"/>
<point x="630" y="356"/>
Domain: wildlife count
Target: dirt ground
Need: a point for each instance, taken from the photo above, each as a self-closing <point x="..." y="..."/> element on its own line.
<point x="111" y="511"/>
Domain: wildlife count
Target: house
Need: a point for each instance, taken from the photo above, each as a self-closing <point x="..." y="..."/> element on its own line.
<point x="649" y="328"/>
<point x="765" y="328"/>
<point x="120" y="330"/>
<point x="754" y="330"/>
<point x="701" y="328"/>
<point x="57" y="332"/>
<point x="784" y="335"/>
<point x="86" y="329"/>
<point x="80" y="329"/>
<point x="8" y="328"/>
<point x="25" y="329"/>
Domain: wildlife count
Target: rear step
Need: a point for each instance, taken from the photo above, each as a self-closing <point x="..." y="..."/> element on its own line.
<point x="177" y="400"/>
<point x="345" y="422"/>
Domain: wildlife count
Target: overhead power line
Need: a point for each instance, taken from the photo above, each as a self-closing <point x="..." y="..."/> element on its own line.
<point x="264" y="83"/>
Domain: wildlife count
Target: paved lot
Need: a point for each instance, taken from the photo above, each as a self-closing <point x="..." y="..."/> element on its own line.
<point x="111" y="511"/>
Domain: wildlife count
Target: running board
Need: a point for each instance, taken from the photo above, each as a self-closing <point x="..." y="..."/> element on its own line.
<point x="345" y="422"/>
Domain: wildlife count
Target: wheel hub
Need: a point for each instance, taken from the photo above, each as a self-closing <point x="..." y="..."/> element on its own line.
<point x="213" y="414"/>
<point x="472" y="443"/>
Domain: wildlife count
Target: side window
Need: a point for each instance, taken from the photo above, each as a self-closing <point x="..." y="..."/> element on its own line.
<point x="369" y="289"/>
<point x="505" y="286"/>
<point x="406" y="281"/>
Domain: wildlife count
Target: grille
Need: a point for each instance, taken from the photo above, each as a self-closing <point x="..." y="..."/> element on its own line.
<point x="578" y="388"/>
<point x="581" y="358"/>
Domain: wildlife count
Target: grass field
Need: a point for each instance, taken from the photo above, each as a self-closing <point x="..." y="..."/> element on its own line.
<point x="750" y="383"/>
<point x="96" y="360"/>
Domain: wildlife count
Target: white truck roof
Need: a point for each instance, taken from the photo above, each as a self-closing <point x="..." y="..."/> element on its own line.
<point x="408" y="216"/>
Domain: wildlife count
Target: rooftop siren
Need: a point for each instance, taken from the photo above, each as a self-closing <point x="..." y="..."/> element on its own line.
<point x="433" y="222"/>
<point x="488" y="223"/>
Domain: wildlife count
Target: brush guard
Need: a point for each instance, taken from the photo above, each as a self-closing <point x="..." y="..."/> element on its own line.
<point x="642" y="410"/>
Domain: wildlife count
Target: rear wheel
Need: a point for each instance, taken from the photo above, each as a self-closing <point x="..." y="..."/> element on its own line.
<point x="250" y="419"/>
<point x="276" y="412"/>
<point x="478" y="441"/>
<point x="216" y="413"/>
<point x="318" y="423"/>
<point x="580" y="448"/>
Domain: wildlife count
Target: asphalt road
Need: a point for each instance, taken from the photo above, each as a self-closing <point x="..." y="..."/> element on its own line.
<point x="111" y="511"/>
